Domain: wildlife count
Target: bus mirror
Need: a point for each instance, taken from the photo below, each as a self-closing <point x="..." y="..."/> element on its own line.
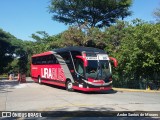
<point x="115" y="62"/>
<point x="84" y="60"/>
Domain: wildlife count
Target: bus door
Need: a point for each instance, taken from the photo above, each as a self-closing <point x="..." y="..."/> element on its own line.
<point x="79" y="66"/>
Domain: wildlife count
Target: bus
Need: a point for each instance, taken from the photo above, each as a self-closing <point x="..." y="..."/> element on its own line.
<point x="75" y="68"/>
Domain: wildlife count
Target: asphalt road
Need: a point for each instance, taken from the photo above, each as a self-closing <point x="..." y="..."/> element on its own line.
<point x="31" y="96"/>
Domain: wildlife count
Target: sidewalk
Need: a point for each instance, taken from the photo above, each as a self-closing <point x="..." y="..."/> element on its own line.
<point x="31" y="96"/>
<point x="136" y="90"/>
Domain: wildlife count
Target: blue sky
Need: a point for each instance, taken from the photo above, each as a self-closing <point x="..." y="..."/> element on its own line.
<point x="23" y="17"/>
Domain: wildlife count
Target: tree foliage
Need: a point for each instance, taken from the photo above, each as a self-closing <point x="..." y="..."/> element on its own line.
<point x="93" y="13"/>
<point x="12" y="52"/>
<point x="138" y="54"/>
<point x="6" y="50"/>
<point x="43" y="42"/>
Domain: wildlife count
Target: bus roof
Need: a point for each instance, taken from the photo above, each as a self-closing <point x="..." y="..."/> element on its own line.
<point x="79" y="49"/>
<point x="43" y="54"/>
<point x="74" y="48"/>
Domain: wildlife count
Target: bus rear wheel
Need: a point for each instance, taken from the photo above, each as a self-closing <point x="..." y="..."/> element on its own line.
<point x="69" y="86"/>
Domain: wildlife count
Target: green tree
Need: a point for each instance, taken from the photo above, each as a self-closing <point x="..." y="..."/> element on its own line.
<point x="6" y="50"/>
<point x="44" y="42"/>
<point x="92" y="13"/>
<point x="138" y="54"/>
<point x="114" y="35"/>
<point x="13" y="54"/>
<point x="77" y="36"/>
<point x="74" y="36"/>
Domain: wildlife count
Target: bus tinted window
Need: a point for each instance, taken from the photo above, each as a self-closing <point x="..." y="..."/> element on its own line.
<point x="41" y="60"/>
<point x="33" y="61"/>
<point x="66" y="57"/>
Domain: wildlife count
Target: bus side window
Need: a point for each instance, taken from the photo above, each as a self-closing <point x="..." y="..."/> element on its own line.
<point x="38" y="60"/>
<point x="33" y="60"/>
<point x="51" y="59"/>
<point x="66" y="57"/>
<point x="43" y="60"/>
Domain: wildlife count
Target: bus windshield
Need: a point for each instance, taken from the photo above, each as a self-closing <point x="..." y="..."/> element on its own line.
<point x="98" y="70"/>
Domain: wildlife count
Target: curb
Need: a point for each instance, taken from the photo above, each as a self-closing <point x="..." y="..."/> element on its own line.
<point x="135" y="90"/>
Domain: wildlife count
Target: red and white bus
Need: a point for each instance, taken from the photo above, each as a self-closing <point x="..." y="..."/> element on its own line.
<point x="76" y="68"/>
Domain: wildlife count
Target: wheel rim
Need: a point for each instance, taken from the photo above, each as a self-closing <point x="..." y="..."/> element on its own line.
<point x="69" y="85"/>
<point x="39" y="80"/>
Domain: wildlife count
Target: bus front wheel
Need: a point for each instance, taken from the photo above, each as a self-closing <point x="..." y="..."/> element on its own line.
<point x="69" y="85"/>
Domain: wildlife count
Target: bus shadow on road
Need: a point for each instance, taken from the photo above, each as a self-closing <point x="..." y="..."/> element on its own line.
<point x="99" y="92"/>
<point x="54" y="86"/>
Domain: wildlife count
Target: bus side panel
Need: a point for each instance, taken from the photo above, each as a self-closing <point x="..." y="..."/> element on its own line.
<point x="52" y="74"/>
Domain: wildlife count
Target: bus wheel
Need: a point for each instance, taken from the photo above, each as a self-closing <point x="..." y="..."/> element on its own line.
<point x="39" y="80"/>
<point x="69" y="85"/>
